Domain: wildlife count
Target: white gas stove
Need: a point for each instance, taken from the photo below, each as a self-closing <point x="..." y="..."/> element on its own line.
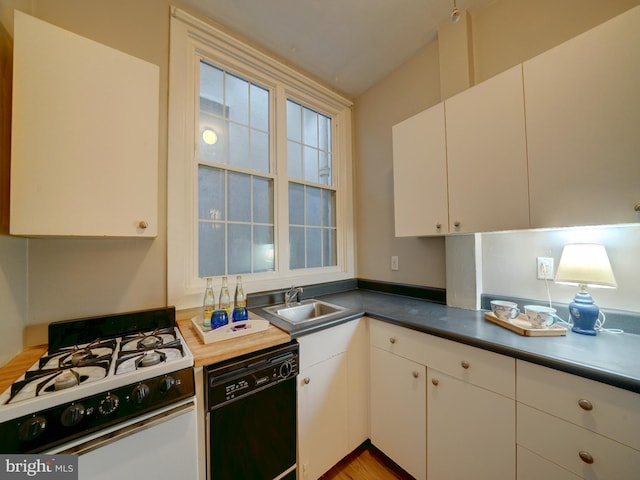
<point x="97" y="373"/>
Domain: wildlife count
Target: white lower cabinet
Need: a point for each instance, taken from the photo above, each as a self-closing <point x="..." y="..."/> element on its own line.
<point x="585" y="427"/>
<point x="470" y="431"/>
<point x="332" y="396"/>
<point x="455" y="422"/>
<point x="398" y="410"/>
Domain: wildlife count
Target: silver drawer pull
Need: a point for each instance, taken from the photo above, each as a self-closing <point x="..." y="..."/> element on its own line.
<point x="416" y="374"/>
<point x="585" y="457"/>
<point x="392" y="340"/>
<point x="435" y="381"/>
<point x="585" y="404"/>
<point x="465" y="364"/>
<point x="306" y="380"/>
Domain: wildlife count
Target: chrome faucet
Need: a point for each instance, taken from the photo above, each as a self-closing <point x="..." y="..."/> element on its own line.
<point x="292" y="293"/>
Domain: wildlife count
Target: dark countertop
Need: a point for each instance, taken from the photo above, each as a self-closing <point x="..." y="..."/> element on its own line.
<point x="609" y="358"/>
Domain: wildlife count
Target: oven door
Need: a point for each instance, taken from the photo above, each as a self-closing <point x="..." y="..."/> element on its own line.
<point x="162" y="445"/>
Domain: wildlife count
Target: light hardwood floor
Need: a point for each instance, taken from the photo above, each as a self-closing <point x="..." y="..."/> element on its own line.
<point x="366" y="463"/>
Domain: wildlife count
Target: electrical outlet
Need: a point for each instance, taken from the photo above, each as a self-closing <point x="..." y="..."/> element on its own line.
<point x="545" y="268"/>
<point x="394" y="263"/>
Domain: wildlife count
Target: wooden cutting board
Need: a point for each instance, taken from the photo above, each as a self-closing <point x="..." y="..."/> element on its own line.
<point x="521" y="326"/>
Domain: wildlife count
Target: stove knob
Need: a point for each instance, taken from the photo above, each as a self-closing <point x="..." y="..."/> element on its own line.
<point x="140" y="393"/>
<point x="72" y="415"/>
<point x="109" y="404"/>
<point x="167" y="383"/>
<point x="32" y="428"/>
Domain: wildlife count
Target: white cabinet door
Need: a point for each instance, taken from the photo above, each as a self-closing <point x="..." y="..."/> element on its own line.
<point x="420" y="174"/>
<point x="398" y="410"/>
<point x="84" y="158"/>
<point x="487" y="156"/>
<point x="583" y="113"/>
<point x="471" y="431"/>
<point x="322" y="416"/>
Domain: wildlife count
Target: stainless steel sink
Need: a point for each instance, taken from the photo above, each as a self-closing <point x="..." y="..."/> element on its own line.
<point x="304" y="311"/>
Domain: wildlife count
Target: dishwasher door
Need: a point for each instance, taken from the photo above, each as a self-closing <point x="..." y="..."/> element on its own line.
<point x="252" y="425"/>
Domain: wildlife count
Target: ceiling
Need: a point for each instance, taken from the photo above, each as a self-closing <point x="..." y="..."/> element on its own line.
<point x="348" y="44"/>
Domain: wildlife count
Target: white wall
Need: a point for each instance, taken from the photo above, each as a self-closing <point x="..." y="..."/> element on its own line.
<point x="509" y="263"/>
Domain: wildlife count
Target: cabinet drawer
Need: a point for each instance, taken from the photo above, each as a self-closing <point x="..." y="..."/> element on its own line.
<point x="479" y="367"/>
<point x="607" y="410"/>
<point x="532" y="466"/>
<point x="400" y="341"/>
<point x="569" y="445"/>
<point x="325" y="344"/>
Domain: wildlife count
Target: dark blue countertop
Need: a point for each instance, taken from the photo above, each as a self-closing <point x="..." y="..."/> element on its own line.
<point x="610" y="358"/>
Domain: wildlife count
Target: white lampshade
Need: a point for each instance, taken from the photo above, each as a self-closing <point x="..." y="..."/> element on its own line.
<point x="585" y="264"/>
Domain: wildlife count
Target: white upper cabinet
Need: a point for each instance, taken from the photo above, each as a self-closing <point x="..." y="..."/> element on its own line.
<point x="420" y="174"/>
<point x="583" y="127"/>
<point x="84" y="158"/>
<point x="487" y="156"/>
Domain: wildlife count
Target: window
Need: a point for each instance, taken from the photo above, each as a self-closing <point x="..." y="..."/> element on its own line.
<point x="258" y="169"/>
<point x="235" y="193"/>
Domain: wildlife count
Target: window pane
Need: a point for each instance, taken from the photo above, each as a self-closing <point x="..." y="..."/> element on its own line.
<point x="313" y="206"/>
<point x="211" y="84"/>
<point x="309" y="127"/>
<point x="259" y="108"/>
<point x="329" y="253"/>
<point x="294" y="159"/>
<point x="296" y="204"/>
<point x="324" y="133"/>
<point x="239" y="249"/>
<point x="259" y="151"/>
<point x="296" y="247"/>
<point x="294" y="121"/>
<point x="237" y="99"/>
<point x="262" y="200"/>
<point x="314" y="247"/>
<point x="324" y="172"/>
<point x="211" y="193"/>
<point x="328" y="208"/>
<point x="239" y="197"/>
<point x="310" y="164"/>
<point x="238" y="145"/>
<point x="263" y="249"/>
<point x="211" y="249"/>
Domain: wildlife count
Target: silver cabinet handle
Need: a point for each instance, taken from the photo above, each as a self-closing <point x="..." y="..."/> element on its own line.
<point x="306" y="380"/>
<point x="416" y="374"/>
<point x="435" y="381"/>
<point x="585" y="404"/>
<point x="465" y="364"/>
<point x="392" y="340"/>
<point x="143" y="224"/>
<point x="585" y="457"/>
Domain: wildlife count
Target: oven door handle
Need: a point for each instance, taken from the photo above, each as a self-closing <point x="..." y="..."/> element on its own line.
<point x="118" y="434"/>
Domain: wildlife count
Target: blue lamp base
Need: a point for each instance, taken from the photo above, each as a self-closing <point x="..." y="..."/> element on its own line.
<point x="584" y="314"/>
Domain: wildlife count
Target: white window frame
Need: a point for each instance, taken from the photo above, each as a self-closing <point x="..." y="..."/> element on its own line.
<point x="192" y="38"/>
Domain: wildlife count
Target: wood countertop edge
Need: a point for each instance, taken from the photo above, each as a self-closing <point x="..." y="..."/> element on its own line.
<point x="19" y="364"/>
<point x="207" y="354"/>
<point x="204" y="354"/>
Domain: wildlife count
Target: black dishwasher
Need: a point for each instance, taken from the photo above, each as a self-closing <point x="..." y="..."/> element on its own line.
<point x="251" y="415"/>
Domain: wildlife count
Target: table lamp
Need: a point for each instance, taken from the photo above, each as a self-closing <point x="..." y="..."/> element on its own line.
<point x="585" y="264"/>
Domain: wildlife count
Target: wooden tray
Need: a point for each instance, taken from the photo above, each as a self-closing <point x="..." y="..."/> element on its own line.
<point x="231" y="330"/>
<point x="521" y="326"/>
